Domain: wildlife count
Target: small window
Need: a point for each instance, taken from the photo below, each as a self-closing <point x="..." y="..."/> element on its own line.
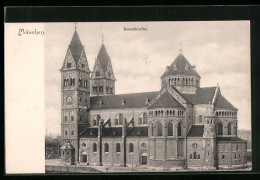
<point x="194" y="155"/>
<point x="106" y="147"/>
<point x="235" y="157"/>
<point x="117" y="147"/>
<point x="109" y="74"/>
<point x="237" y="147"/>
<point x="66" y="133"/>
<point x="72" y="118"/>
<point x="223" y="157"/>
<point x="131" y="147"/>
<point x="83" y="144"/>
<point x="83" y="66"/>
<point x="72" y="133"/>
<point x="65" y="119"/>
<point x="143" y="145"/>
<point x="186" y="67"/>
<point x="190" y="156"/>
<point x="68" y="64"/>
<point x="94" y="147"/>
<point x="198" y="156"/>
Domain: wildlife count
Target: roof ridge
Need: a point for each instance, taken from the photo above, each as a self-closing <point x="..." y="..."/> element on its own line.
<point x="128" y="94"/>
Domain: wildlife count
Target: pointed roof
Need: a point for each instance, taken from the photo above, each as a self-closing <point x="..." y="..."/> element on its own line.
<point x="76" y="47"/>
<point x="166" y="100"/>
<point x="196" y="131"/>
<point x="223" y="103"/>
<point x="103" y="58"/>
<point x="180" y="62"/>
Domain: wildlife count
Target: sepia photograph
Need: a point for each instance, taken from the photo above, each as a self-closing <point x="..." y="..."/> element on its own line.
<point x="162" y="96"/>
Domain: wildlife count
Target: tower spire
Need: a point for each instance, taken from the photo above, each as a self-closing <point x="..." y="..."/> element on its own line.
<point x="102" y="38"/>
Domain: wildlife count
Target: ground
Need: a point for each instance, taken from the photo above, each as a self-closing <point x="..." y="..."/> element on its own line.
<point x="112" y="169"/>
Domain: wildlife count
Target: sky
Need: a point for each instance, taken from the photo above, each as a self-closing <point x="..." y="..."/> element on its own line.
<point x="219" y="49"/>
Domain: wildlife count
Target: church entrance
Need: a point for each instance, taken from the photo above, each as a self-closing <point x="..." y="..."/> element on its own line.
<point x="84" y="157"/>
<point x="144" y="159"/>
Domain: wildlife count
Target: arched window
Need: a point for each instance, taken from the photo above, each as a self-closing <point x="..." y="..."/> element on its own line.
<point x="80" y="82"/>
<point x="117" y="147"/>
<point x="229" y="128"/>
<point x="68" y="64"/>
<point x="65" y="118"/>
<point x="72" y="133"/>
<point x="198" y="156"/>
<point x="131" y="147"/>
<point x="94" y="147"/>
<point x="140" y="121"/>
<point x="237" y="147"/>
<point x="72" y="81"/>
<point x="120" y="119"/>
<point x="179" y="129"/>
<point x="97" y="73"/>
<point x="220" y="128"/>
<point x="194" y="155"/>
<point x="234" y="130"/>
<point x="159" y="129"/>
<point x="86" y="83"/>
<point x="170" y="129"/>
<point x="94" y="122"/>
<point x="65" y="82"/>
<point x="109" y="74"/>
<point x="116" y="122"/>
<point x="106" y="147"/>
<point x="190" y="156"/>
<point x="144" y="118"/>
<point x="72" y="118"/>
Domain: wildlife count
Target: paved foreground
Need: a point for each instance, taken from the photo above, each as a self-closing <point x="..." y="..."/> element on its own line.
<point x="59" y="167"/>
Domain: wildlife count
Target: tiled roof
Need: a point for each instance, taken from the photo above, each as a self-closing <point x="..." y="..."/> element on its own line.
<point x="90" y="133"/>
<point x="115" y="132"/>
<point x="103" y="58"/>
<point x="166" y="101"/>
<point x="196" y="131"/>
<point x="180" y="63"/>
<point x="221" y="102"/>
<point x="112" y="132"/>
<point x="137" y="131"/>
<point x="76" y="47"/>
<point x="134" y="100"/>
<point x="202" y="96"/>
<point x="230" y="139"/>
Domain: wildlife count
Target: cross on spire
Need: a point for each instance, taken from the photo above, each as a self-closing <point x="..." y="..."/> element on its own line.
<point x="75" y="26"/>
<point x="102" y="38"/>
<point x="180" y="48"/>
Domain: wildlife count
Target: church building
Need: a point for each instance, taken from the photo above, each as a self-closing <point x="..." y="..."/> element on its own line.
<point x="180" y="126"/>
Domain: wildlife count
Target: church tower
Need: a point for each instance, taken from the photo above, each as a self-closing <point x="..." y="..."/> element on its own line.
<point x="103" y="79"/>
<point x="181" y="75"/>
<point x="75" y="94"/>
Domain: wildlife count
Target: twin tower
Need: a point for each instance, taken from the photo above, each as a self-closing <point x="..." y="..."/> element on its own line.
<point x="79" y="83"/>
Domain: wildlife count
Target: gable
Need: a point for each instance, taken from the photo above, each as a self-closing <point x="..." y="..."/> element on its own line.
<point x="166" y="100"/>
